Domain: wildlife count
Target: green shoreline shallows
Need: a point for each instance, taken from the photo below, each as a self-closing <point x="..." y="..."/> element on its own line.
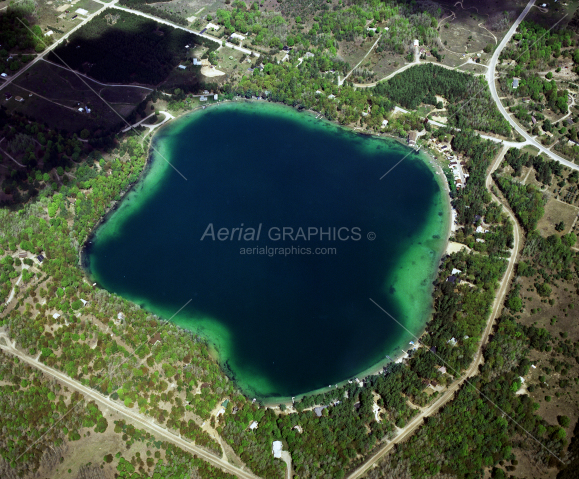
<point x="282" y="326"/>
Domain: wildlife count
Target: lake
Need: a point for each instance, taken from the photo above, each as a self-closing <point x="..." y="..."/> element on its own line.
<point x="279" y="230"/>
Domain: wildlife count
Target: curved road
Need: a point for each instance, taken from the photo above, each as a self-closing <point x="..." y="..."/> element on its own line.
<point x="493" y="87"/>
<point x="134" y="417"/>
<point x="448" y="395"/>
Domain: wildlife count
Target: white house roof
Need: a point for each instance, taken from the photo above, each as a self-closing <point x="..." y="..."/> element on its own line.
<point x="276" y="449"/>
<point x="81" y="11"/>
<point x="456" y="271"/>
<point x="253" y="425"/>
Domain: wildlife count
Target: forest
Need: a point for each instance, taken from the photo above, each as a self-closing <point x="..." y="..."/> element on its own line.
<point x="535" y="47"/>
<point x="470" y="102"/>
<point x="132" y="50"/>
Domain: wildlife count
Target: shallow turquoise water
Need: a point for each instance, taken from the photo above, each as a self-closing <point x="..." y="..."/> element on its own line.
<point x="282" y="324"/>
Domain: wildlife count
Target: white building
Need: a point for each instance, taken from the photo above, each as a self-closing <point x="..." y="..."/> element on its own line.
<point x="237" y="36"/>
<point x="81" y="11"/>
<point x="203" y="98"/>
<point x="212" y="26"/>
<point x="216" y="97"/>
<point x="276" y="449"/>
<point x="196" y="61"/>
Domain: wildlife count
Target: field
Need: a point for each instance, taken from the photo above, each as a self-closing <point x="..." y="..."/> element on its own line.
<point x="64" y="92"/>
<point x="555" y="212"/>
<point x="125" y="48"/>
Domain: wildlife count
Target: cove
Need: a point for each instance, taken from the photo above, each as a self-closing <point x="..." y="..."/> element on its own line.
<point x="291" y="323"/>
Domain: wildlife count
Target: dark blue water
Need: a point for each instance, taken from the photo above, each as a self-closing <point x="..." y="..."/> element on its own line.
<point x="283" y="324"/>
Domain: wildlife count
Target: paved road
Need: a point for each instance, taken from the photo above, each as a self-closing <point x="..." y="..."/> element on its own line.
<point x="493" y="87"/>
<point x="414" y="63"/>
<point x="134" y="417"/>
<point x="448" y="394"/>
<point x="54" y="45"/>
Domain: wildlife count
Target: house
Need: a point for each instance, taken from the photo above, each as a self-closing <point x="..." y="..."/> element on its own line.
<point x="56" y="315"/>
<point x="216" y="97"/>
<point x="534" y="120"/>
<point x="83" y="301"/>
<point x="412" y="137"/>
<point x="182" y="67"/>
<point x="286" y="49"/>
<point x="120" y="316"/>
<point x="416" y="43"/>
<point x="3" y="75"/>
<point x="205" y="92"/>
<point x="81" y="110"/>
<point x="81" y="11"/>
<point x="19" y="98"/>
<point x="22" y="255"/>
<point x="196" y="61"/>
<point x="202" y="98"/>
<point x="318" y="410"/>
<point x="237" y="36"/>
<point x="456" y="271"/>
<point x="276" y="449"/>
<point x="309" y="55"/>
<point x="253" y="425"/>
<point x="452" y="342"/>
<point x="442" y="370"/>
<point x="48" y="33"/>
<point x="40" y="258"/>
<point x="212" y="26"/>
<point x="373" y="29"/>
<point x="384" y="123"/>
<point x="515" y="83"/>
<point x="8" y="96"/>
<point x="156" y="339"/>
<point x="331" y="97"/>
